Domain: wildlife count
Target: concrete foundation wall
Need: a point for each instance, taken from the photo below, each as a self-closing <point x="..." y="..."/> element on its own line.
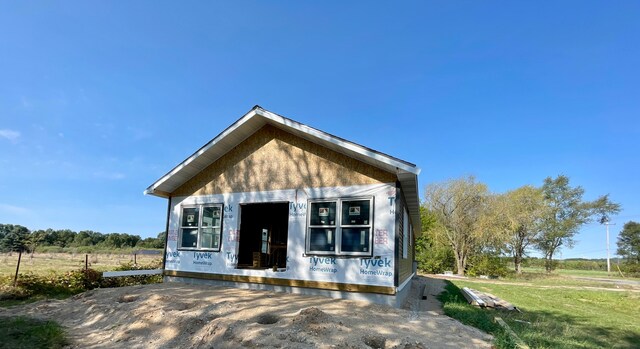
<point x="390" y="300"/>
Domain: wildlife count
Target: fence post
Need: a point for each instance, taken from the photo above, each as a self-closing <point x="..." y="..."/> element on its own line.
<point x="86" y="270"/>
<point x="15" y="278"/>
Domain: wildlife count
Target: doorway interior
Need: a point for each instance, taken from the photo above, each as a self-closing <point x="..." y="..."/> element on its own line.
<point x="263" y="235"/>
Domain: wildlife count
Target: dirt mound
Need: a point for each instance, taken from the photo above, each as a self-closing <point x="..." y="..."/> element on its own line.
<point x="311" y="315"/>
<point x="187" y="316"/>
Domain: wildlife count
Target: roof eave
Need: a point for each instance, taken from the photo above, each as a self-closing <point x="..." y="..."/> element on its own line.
<point x="406" y="172"/>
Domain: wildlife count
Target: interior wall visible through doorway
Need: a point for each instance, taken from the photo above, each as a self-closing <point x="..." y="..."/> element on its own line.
<point x="263" y="235"/>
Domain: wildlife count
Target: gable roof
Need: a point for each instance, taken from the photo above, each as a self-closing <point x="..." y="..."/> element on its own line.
<point x="255" y="119"/>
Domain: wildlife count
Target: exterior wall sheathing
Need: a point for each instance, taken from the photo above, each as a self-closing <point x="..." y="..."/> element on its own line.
<point x="275" y="166"/>
<point x="272" y="159"/>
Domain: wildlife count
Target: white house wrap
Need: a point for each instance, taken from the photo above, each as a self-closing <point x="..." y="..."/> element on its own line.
<point x="271" y="203"/>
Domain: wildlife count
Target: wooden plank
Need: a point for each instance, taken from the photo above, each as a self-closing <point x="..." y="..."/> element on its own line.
<point x="147" y="252"/>
<point x="333" y="286"/>
<point x="110" y="274"/>
<point x="467" y="296"/>
<point x="520" y="344"/>
<point x="472" y="298"/>
<point x="499" y="302"/>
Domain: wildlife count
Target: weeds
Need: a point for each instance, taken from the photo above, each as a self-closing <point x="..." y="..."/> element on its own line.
<point x="61" y="285"/>
<point x="456" y="306"/>
<point x="22" y="332"/>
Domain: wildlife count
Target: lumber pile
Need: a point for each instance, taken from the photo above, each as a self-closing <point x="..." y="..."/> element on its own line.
<point x="486" y="300"/>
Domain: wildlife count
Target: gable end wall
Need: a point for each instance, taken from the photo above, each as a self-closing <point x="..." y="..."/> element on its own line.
<point x="272" y="159"/>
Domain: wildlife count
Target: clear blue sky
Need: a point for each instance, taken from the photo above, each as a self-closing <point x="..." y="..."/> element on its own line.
<point x="100" y="99"/>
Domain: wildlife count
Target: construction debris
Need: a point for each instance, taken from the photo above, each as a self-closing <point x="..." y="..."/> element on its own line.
<point x="484" y="300"/>
<point x="425" y="291"/>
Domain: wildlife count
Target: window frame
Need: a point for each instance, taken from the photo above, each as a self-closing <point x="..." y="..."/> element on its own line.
<point x="338" y="227"/>
<point x="199" y="227"/>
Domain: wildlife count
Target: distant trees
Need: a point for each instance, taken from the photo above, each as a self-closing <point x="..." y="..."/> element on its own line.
<point x="13" y="238"/>
<point x="476" y="227"/>
<point x="629" y="242"/>
<point x="157" y="242"/>
<point x="19" y="238"/>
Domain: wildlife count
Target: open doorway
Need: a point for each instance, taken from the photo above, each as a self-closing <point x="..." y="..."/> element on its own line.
<point x="263" y="235"/>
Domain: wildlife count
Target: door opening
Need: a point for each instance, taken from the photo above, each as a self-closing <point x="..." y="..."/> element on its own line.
<point x="263" y="235"/>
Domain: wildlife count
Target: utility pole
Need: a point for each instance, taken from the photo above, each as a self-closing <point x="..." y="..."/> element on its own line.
<point x="608" y="260"/>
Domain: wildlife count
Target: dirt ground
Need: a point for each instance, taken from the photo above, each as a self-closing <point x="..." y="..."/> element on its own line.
<point x="173" y="315"/>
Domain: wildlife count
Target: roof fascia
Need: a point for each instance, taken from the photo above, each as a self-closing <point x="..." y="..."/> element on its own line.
<point x="151" y="190"/>
<point x="285" y="123"/>
<point x="356" y="148"/>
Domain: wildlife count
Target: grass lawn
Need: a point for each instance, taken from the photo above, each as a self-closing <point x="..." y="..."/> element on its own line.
<point x="583" y="273"/>
<point x="562" y="313"/>
<point x="21" y="332"/>
<point x="45" y="263"/>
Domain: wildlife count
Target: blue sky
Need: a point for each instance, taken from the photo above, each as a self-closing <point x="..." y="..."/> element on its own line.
<point x="100" y="99"/>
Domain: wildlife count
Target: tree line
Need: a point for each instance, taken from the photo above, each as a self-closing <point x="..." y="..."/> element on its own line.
<point x="466" y="228"/>
<point x="19" y="238"/>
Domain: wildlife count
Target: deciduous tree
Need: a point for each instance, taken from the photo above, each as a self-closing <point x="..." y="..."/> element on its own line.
<point x="567" y="212"/>
<point x="629" y="242"/>
<point x="515" y="218"/>
<point x="457" y="206"/>
<point x="433" y="253"/>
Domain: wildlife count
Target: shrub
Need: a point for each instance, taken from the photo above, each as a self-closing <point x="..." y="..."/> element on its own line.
<point x="72" y="282"/>
<point x="487" y="265"/>
<point x="436" y="261"/>
<point x="629" y="269"/>
<point x="433" y="257"/>
<point x="7" y="292"/>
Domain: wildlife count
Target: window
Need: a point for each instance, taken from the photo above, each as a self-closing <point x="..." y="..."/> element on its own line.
<point x="340" y="227"/>
<point x="201" y="227"/>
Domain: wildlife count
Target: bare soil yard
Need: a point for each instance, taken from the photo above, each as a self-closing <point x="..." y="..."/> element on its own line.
<point x="175" y="315"/>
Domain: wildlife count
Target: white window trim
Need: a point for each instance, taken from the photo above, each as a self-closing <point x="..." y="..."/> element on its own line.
<point x="200" y="208"/>
<point x="338" y="228"/>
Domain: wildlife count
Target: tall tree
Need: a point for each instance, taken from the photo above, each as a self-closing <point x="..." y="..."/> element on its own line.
<point x="14" y="237"/>
<point x="629" y="242"/>
<point x="567" y="212"/>
<point x="516" y="217"/>
<point x="457" y="206"/>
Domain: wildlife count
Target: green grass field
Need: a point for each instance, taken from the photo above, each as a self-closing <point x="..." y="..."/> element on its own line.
<point x="583" y="273"/>
<point x="556" y="312"/>
<point x="44" y="263"/>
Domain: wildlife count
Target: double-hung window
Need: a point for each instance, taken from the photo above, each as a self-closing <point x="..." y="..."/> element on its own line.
<point x="340" y="227"/>
<point x="201" y="227"/>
